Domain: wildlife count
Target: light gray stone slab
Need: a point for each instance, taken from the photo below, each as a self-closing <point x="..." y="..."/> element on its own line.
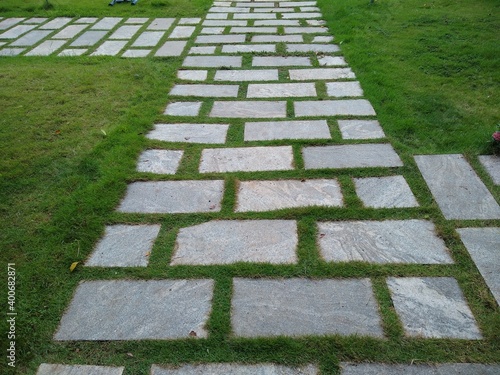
<point x="125" y="32"/>
<point x="306" y="30"/>
<point x="16" y="31"/>
<point x="320" y="74"/>
<point x="265" y="131"/>
<point x="56" y="369"/>
<point x="298" y="307"/>
<point x="173" y="197"/>
<point x="148" y="39"/>
<point x="208" y="91"/>
<point x="182" y="32"/>
<point x="274" y="10"/>
<point x="248" y="48"/>
<point x="246" y="75"/>
<point x="73" y="52"/>
<point x="213" y="30"/>
<point x="281" y="61"/>
<point x="323" y="39"/>
<point x="224" y="23"/>
<point x="190" y="133"/>
<point x="360" y="129"/>
<point x="249" y="109"/>
<point x="432" y="307"/>
<point x="204" y="50"/>
<point x="254" y="30"/>
<point x="233" y="241"/>
<point x="276" y="23"/>
<point x="261" y="196"/>
<point x="492" y="165"/>
<point x="255" y="16"/>
<point x="301" y="15"/>
<point x="124" y="246"/>
<point x="385" y="192"/>
<point x="88" y="20"/>
<point x="37" y="20"/>
<point x="109" y="48"/>
<point x="2" y="43"/>
<point x="189" y="21"/>
<point x="192" y="75"/>
<point x="245" y="4"/>
<point x="228" y="10"/>
<point x="216" y="16"/>
<point x="483" y="245"/>
<point x="160" y="161"/>
<point x="161" y="24"/>
<point x="246" y="159"/>
<point x="277" y="39"/>
<point x="107" y="23"/>
<point x="342" y="89"/>
<point x="88" y="38"/>
<point x="382" y="242"/>
<point x="183" y="109"/>
<point x="419" y="369"/>
<point x="309" y="9"/>
<point x="171" y="48"/>
<point x="331" y="61"/>
<point x="235" y="369"/>
<point x="11" y="51"/>
<point x="137" y="310"/>
<point x="56" y="23"/>
<point x="281" y="90"/>
<point x="222" y="39"/>
<point x="136" y="53"/>
<point x="31" y="38"/>
<point x="137" y="20"/>
<point x="69" y="32"/>
<point x="46" y="48"/>
<point x="457" y="189"/>
<point x="297" y="3"/>
<point x="9" y="22"/>
<point x="345" y="107"/>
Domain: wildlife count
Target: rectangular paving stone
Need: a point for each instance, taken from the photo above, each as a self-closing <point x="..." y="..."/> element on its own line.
<point x="344" y="107"/>
<point x="16" y="31"/>
<point x="351" y="156"/>
<point x="88" y="38"/>
<point x="209" y="91"/>
<point x="171" y="48"/>
<point x="249" y="109"/>
<point x="69" y="32"/>
<point x="216" y="16"/>
<point x="72" y="52"/>
<point x="160" y="161"/>
<point x="276" y="23"/>
<point x="190" y="133"/>
<point x="281" y="61"/>
<point x="107" y="23"/>
<point x="11" y="51"/>
<point x="322" y="39"/>
<point x="236" y="369"/>
<point x="37" y="20"/>
<point x="125" y="32"/>
<point x="192" y="75"/>
<point x="161" y="24"/>
<point x="136" y="53"/>
<point x="492" y="165"/>
<point x="212" y="61"/>
<point x="301" y="15"/>
<point x="343" y="89"/>
<point x="297" y="3"/>
<point x="255" y="16"/>
<point x="262" y="196"/>
<point x="233" y="241"/>
<point x="272" y="130"/>
<point x="137" y="20"/>
<point x="137" y="310"/>
<point x="124" y="246"/>
<point x="306" y="30"/>
<point x="56" y="369"/>
<point x="277" y="39"/>
<point x="385" y="192"/>
<point x="254" y="30"/>
<point x="249" y="48"/>
<point x="274" y="10"/>
<point x="182" y="32"/>
<point x="224" y="23"/>
<point x="419" y="369"/>
<point x="299" y="307"/>
<point x="204" y="50"/>
<point x="483" y="245"/>
<point x="331" y="61"/>
<point x="246" y="159"/>
<point x="254" y="4"/>
<point x="173" y="197"/>
<point x="32" y="38"/>
<point x="457" y="189"/>
<point x="280" y="90"/>
<point x="246" y="75"/>
<point x="189" y="21"/>
<point x="213" y="30"/>
<point x="148" y="39"/>
<point x="432" y="307"/>
<point x="228" y="10"/>
<point x="86" y="20"/>
<point x="360" y="129"/>
<point x="222" y="39"/>
<point x="9" y="22"/>
<point x="109" y="48"/>
<point x="46" y="48"/>
<point x="320" y="74"/>
<point x="309" y="9"/>
<point x="382" y="242"/>
<point x="323" y="48"/>
<point x="56" y="23"/>
<point x="183" y="109"/>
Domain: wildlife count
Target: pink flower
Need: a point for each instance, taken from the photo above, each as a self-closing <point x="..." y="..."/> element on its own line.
<point x="496" y="136"/>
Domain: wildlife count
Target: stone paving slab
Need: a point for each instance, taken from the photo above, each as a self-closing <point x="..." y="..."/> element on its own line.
<point x="246" y="75"/>
<point x="136" y="53"/>
<point x="261" y="196"/>
<point x="216" y="16"/>
<point x="190" y="133"/>
<point x="171" y="48"/>
<point x="287" y="16"/>
<point x="249" y="109"/>
<point x="16" y="31"/>
<point x="483" y="245"/>
<point x="340" y="89"/>
<point x="320" y="74"/>
<point x="9" y="22"/>
<point x="323" y="48"/>
<point x="331" y="61"/>
<point x="277" y="39"/>
<point x="69" y="32"/>
<point x="110" y="48"/>
<point x="216" y="39"/>
<point x="246" y="159"/>
<point x="160" y="161"/>
<point x="281" y="61"/>
<point x="276" y="23"/>
<point x="192" y="75"/>
<point x="73" y="52"/>
<point x="125" y="32"/>
<point x="212" y="61"/>
<point x="382" y="242"/>
<point x="271" y="130"/>
<point x="137" y="310"/>
<point x="228" y="10"/>
<point x="419" y="369"/>
<point x="148" y="39"/>
<point x="300" y="307"/>
<point x="213" y="30"/>
<point x="224" y="23"/>
<point x="11" y="51"/>
<point x="351" y="156"/>
<point x="107" y="23"/>
<point x="306" y="30"/>
<point x="297" y="3"/>
<point x="432" y="307"/>
<point x="360" y="129"/>
<point x="124" y="246"/>
<point x="255" y="16"/>
<point x="182" y="32"/>
<point x="322" y="39"/>
<point x="173" y="197"/>
<point x="46" y="48"/>
<point x="280" y="90"/>
<point x="56" y="369"/>
<point x="234" y="369"/>
<point x="492" y="165"/>
<point x="190" y="21"/>
<point x="56" y="23"/>
<point x="183" y="109"/>
<point x="352" y="107"/>
<point x="88" y="20"/>
<point x="233" y="241"/>
<point x="31" y="38"/>
<point x="248" y="48"/>
<point x="88" y="38"/>
<point x="385" y="192"/>
<point x="254" y="30"/>
<point x="205" y="50"/>
<point x="209" y="91"/>
<point x="457" y="189"/>
<point x="161" y="24"/>
<point x="137" y="20"/>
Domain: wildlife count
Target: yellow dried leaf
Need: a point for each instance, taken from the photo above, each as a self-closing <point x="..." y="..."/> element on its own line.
<point x="73" y="266"/>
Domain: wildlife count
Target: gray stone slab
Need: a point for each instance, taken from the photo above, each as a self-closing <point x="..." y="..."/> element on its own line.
<point x="249" y="109"/>
<point x="321" y="74"/>
<point x="248" y="48"/>
<point x="213" y="30"/>
<point x="492" y="165"/>
<point x="266" y="131"/>
<point x="204" y="50"/>
<point x="276" y="23"/>
<point x="189" y="21"/>
<point x="342" y="89"/>
<point x="432" y="307"/>
<point x="208" y="91"/>
<point x="16" y="31"/>
<point x="261" y="196"/>
<point x="69" y="32"/>
<point x="382" y="242"/>
<point x="331" y="61"/>
<point x="385" y="192"/>
<point x="297" y="3"/>
<point x="351" y="156"/>
<point x="419" y="369"/>
<point x="171" y="48"/>
<point x="124" y="246"/>
<point x="37" y="20"/>
<point x="11" y="51"/>
<point x="137" y="20"/>
<point x="110" y="48"/>
<point x="88" y="38"/>
<point x="190" y="133"/>
<point x="245" y="4"/>
<point x="182" y="32"/>
<point x="212" y="61"/>
<point x="246" y="159"/>
<point x="137" y="310"/>
<point x="87" y="20"/>
<point x="228" y="10"/>
<point x="136" y="53"/>
<point x="323" y="39"/>
<point x="281" y="61"/>
<point x="220" y="39"/>
<point x="274" y="10"/>
<point x="56" y="369"/>
<point x="148" y="39"/>
<point x="457" y="189"/>
<point x="360" y="129"/>
<point x="46" y="48"/>
<point x="217" y="16"/>
<point x="107" y="23"/>
<point x="161" y="24"/>
<point x="160" y="161"/>
<point x="234" y="369"/>
<point x="254" y="30"/>
<point x="233" y="241"/>
<point x="246" y="75"/>
<point x="345" y="107"/>
<point x="281" y="90"/>
<point x="173" y="197"/>
<point x="9" y="22"/>
<point x="483" y="245"/>
<point x="307" y="30"/>
<point x="125" y="32"/>
<point x="32" y="38"/>
<point x="309" y="9"/>
<point x="301" y="15"/>
<point x="192" y="75"/>
<point x="277" y="39"/>
<point x="72" y="52"/>
<point x="224" y="23"/>
<point x="183" y="109"/>
<point x="56" y="23"/>
<point x="255" y="16"/>
<point x="299" y="307"/>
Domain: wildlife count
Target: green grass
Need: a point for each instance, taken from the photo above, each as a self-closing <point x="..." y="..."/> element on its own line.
<point x="71" y="130"/>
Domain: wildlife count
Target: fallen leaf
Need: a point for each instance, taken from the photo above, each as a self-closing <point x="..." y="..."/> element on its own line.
<point x="58" y="132"/>
<point x="73" y="266"/>
<point x="322" y="235"/>
<point x="130" y="354"/>
<point x="192" y="334"/>
<point x="148" y="254"/>
<point x="103" y="132"/>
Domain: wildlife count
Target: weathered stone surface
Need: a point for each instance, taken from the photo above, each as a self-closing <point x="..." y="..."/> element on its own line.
<point x="280" y="90"/>
<point x="182" y="32"/>
<point x="204" y="50"/>
<point x="492" y="165"/>
<point x="255" y="16"/>
<point x="281" y="61"/>
<point x="160" y="161"/>
<point x="107" y="23"/>
<point x="260" y="196"/>
<point x="306" y="30"/>
<point x="297" y="3"/>
<point x="419" y="369"/>
<point x="246" y="75"/>
<point x="9" y="22"/>
<point x="16" y="31"/>
<point x="110" y="48"/>
<point x="331" y="61"/>
<point x="264" y="131"/>
<point x="215" y="39"/>
<point x="73" y="52"/>
<point x="11" y="51"/>
<point x="161" y="24"/>
<point x="124" y="246"/>
<point x="192" y="75"/>
<point x="301" y="15"/>
<point x="46" y="48"/>
<point x="224" y="23"/>
<point x="212" y="61"/>
<point x="347" y="107"/>
<point x="385" y="192"/>
<point x="254" y="30"/>
<point x="137" y="310"/>
<point x="190" y="21"/>
<point x="69" y="32"/>
<point x="148" y="39"/>
<point x="432" y="307"/>
<point x="137" y="20"/>
<point x="88" y="38"/>
<point x="217" y="16"/>
<point x="87" y="20"/>
<point x="125" y="32"/>
<point x="55" y="369"/>
<point x="297" y="307"/>
<point x="390" y="241"/>
<point x="276" y="23"/>
<point x="340" y="89"/>
<point x="245" y="4"/>
<point x="309" y="9"/>
<point x="242" y="48"/>
<point x="183" y="109"/>
<point x="320" y="74"/>
<point x="228" y="10"/>
<point x="173" y="197"/>
<point x="136" y="53"/>
<point x="457" y="189"/>
<point x="235" y="369"/>
<point x="360" y="129"/>
<point x="171" y="48"/>
<point x="351" y="156"/>
<point x="56" y="23"/>
<point x="246" y="159"/>
<point x="213" y="30"/>
<point x="249" y="109"/>
<point x="322" y="39"/>
<point x="483" y="245"/>
<point x="277" y="39"/>
<point x="233" y="241"/>
<point x="190" y="133"/>
<point x="31" y="38"/>
<point x="209" y="91"/>
<point x="274" y="10"/>
<point x="37" y="20"/>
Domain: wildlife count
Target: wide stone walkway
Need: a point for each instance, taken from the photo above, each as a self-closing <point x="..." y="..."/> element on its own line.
<point x="269" y="71"/>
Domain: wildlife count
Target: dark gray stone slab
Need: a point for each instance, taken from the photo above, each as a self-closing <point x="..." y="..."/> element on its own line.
<point x="110" y="48"/>
<point x="321" y="74"/>
<point x="234" y="369"/>
<point x="352" y="107"/>
<point x="55" y="369"/>
<point x="212" y="61"/>
<point x="360" y="129"/>
<point x="432" y="307"/>
<point x="107" y="23"/>
<point x="248" y="48"/>
<point x="183" y="109"/>
<point x="340" y="89"/>
<point x="56" y="23"/>
<point x="125" y="32"/>
<point x="492" y="165"/>
<point x="299" y="307"/>
<point x="137" y="310"/>
<point x="457" y="189"/>
<point x="16" y="31"/>
<point x="220" y="39"/>
<point x="246" y="75"/>
<point x="277" y="39"/>
<point x="46" y="48"/>
<point x="160" y="161"/>
<point x="209" y="91"/>
<point x="173" y="197"/>
<point x="190" y="133"/>
<point x="281" y="61"/>
<point x="148" y="39"/>
<point x="249" y="109"/>
<point x="192" y="75"/>
<point x="88" y="38"/>
<point x="385" y="192"/>
<point x="171" y="48"/>
<point x="271" y="130"/>
<point x="69" y="32"/>
<point x="280" y="90"/>
<point x="161" y="24"/>
<point x="32" y="38"/>
<point x="419" y="369"/>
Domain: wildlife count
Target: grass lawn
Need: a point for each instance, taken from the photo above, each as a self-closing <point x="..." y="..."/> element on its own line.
<point x="71" y="130"/>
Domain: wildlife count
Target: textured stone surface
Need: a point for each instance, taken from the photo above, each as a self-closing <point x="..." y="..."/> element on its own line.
<point x="159" y="161"/>
<point x="109" y="48"/>
<point x="31" y="38"/>
<point x="70" y="32"/>
<point x="56" y="23"/>
<point x="182" y="32"/>
<point x="88" y="20"/>
<point x="190" y="133"/>
<point x="37" y="20"/>
<point x="210" y="91"/>
<point x="353" y="107"/>
<point x="224" y="23"/>
<point x="249" y="109"/>
<point x="137" y="310"/>
<point x="189" y="21"/>
<point x="173" y="197"/>
<point x="457" y="189"/>
<point x="246" y="75"/>
<point x="385" y="192"/>
<point x="419" y="369"/>
<point x="148" y="39"/>
<point x="331" y="61"/>
<point x="277" y="39"/>
<point x="320" y="74"/>
<point x="73" y="52"/>
<point x="46" y="48"/>
<point x="183" y="109"/>
<point x="11" y="51"/>
<point x="390" y="241"/>
<point x="276" y="23"/>
<point x="351" y="156"/>
<point x="56" y="369"/>
<point x="171" y="48"/>
<point x="234" y="369"/>
<point x="16" y="31"/>
<point x="124" y="246"/>
<point x="300" y="15"/>
<point x="125" y="32"/>
<point x="136" y="53"/>
<point x="318" y="48"/>
<point x="213" y="30"/>
<point x="204" y="50"/>
<point x="323" y="39"/>
<point x="242" y="48"/>
<point x="161" y="24"/>
<point x="492" y="165"/>
<point x="9" y="22"/>
<point x="432" y="307"/>
<point x="212" y="61"/>
<point x="107" y="23"/>
<point x="339" y="89"/>
<point x="259" y="196"/>
<point x="214" y="39"/>
<point x="217" y="16"/>
<point x="360" y="129"/>
<point x="246" y="159"/>
<point x="483" y="245"/>
<point x="254" y="30"/>
<point x="137" y="20"/>
<point x="297" y="3"/>
<point x="255" y="16"/>
<point x="281" y="61"/>
<point x="192" y="75"/>
<point x="280" y="90"/>
<point x="263" y="131"/>
<point x="88" y="38"/>
<point x="232" y="241"/>
<point x="297" y="307"/>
